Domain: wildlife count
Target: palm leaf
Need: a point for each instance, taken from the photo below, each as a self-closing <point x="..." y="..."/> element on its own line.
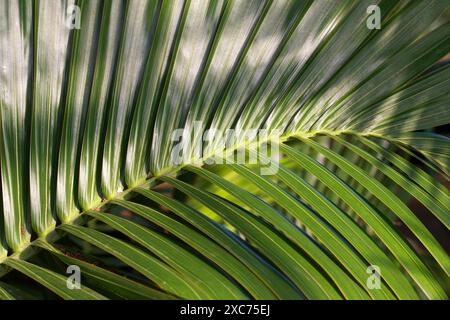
<point x="87" y="118"/>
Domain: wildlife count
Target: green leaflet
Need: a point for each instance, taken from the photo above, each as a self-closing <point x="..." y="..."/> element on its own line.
<point x="350" y="290"/>
<point x="426" y="281"/>
<point x="404" y="213"/>
<point x="401" y="110"/>
<point x="51" y="54"/>
<point x="157" y="271"/>
<point x="430" y="192"/>
<point x="79" y="82"/>
<point x="15" y="54"/>
<point x="391" y="273"/>
<point x="201" y="274"/>
<point x="210" y="249"/>
<point x="106" y="56"/>
<point x="88" y="114"/>
<point x="340" y="102"/>
<point x="435" y="147"/>
<point x="195" y="28"/>
<point x="138" y="149"/>
<point x="116" y="285"/>
<point x="136" y="40"/>
<point x="421" y="177"/>
<point x="3" y="245"/>
<point x="303" y="274"/>
<point x="53" y="281"/>
<point x="341" y="251"/>
<point x="4" y="293"/>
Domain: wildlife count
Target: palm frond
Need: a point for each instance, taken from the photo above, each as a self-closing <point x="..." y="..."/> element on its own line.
<point x="87" y="118"/>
